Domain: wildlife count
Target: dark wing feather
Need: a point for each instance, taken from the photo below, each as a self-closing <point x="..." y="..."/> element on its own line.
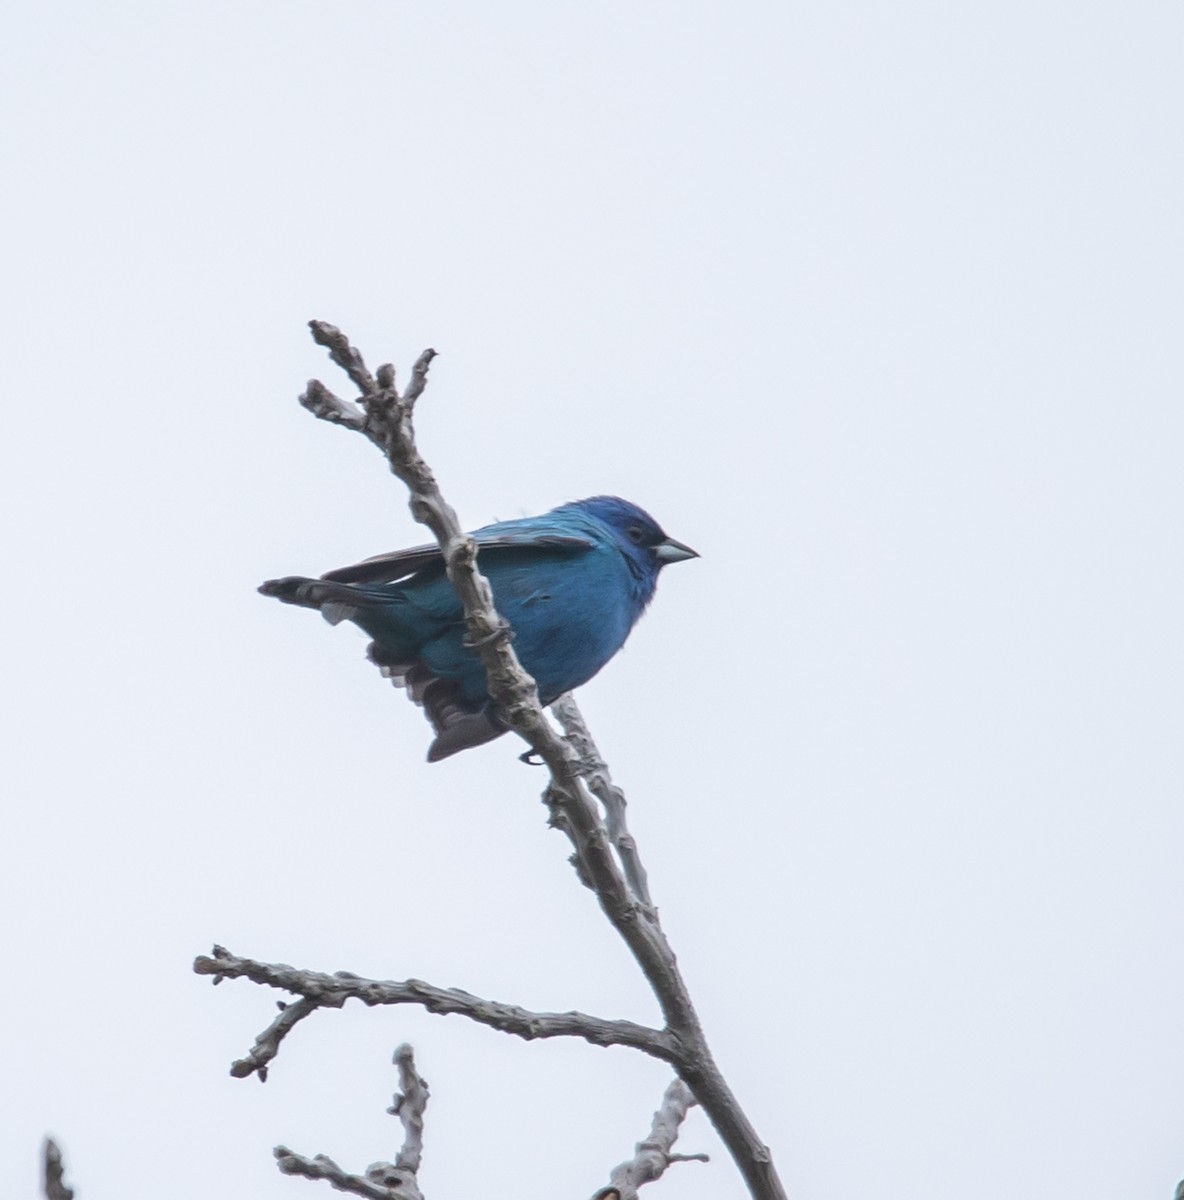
<point x="390" y="568"/>
<point x="386" y="568"/>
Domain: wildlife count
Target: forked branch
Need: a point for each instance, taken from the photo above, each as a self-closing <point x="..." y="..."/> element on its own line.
<point x="656" y="1153"/>
<point x="398" y="1180"/>
<point x="605" y="856"/>
<point x="314" y="990"/>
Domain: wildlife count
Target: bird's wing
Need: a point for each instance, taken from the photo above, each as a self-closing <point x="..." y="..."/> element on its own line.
<point x="386" y="568"/>
<point x="389" y="568"/>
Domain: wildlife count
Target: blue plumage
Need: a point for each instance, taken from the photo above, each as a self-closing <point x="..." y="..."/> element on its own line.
<point x="572" y="583"/>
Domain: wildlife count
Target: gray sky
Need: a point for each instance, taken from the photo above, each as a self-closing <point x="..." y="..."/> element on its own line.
<point x="877" y="306"/>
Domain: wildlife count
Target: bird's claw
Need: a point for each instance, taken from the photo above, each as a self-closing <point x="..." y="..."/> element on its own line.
<point x="502" y="632"/>
<point x="531" y="758"/>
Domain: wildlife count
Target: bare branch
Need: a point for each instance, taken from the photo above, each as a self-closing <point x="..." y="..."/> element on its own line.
<point x="53" y="1173"/>
<point x="383" y="1180"/>
<point x="317" y="990"/>
<point x="324" y="404"/>
<point x="654" y="1155"/>
<point x="600" y="784"/>
<point x="323" y="1167"/>
<point x="419" y="378"/>
<point x="267" y="1044"/>
<point x="387" y="424"/>
<point x="408" y="1105"/>
<point x="344" y="355"/>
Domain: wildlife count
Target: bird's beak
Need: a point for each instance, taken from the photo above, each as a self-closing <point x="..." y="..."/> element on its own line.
<point x="671" y="551"/>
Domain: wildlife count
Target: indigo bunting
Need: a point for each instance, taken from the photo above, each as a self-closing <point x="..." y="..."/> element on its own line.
<point x="572" y="583"/>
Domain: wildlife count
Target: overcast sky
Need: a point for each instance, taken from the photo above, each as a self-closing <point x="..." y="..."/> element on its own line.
<point x="878" y="306"/>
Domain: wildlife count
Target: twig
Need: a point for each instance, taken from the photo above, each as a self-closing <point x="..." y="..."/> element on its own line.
<point x="600" y="784"/>
<point x="346" y="357"/>
<point x="317" y="990"/>
<point x="383" y="1180"/>
<point x="408" y="1105"/>
<point x="324" y="404"/>
<point x="323" y="1167"/>
<point x="653" y="1155"/>
<point x="267" y="1044"/>
<point x="53" y="1173"/>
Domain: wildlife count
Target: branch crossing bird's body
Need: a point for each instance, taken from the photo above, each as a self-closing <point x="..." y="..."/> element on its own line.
<point x="572" y="584"/>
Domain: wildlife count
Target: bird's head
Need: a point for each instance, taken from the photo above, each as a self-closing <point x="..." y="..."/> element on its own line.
<point x="641" y="538"/>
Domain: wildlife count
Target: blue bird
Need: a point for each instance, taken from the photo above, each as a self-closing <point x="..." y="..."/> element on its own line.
<point x="572" y="583"/>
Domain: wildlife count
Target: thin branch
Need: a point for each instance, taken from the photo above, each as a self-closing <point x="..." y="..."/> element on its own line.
<point x="345" y="356"/>
<point x="419" y="378"/>
<point x="383" y="1180"/>
<point x="323" y="1167"/>
<point x="324" y="404"/>
<point x="408" y="1105"/>
<point x="318" y="990"/>
<point x="653" y="1155"/>
<point x="53" y="1173"/>
<point x="267" y="1044"/>
<point x="611" y="797"/>
<point x="388" y="425"/>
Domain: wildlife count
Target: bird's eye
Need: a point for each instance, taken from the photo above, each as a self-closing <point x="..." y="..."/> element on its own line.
<point x="635" y="534"/>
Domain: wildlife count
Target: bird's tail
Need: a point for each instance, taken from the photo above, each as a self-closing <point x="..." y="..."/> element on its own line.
<point x="337" y="602"/>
